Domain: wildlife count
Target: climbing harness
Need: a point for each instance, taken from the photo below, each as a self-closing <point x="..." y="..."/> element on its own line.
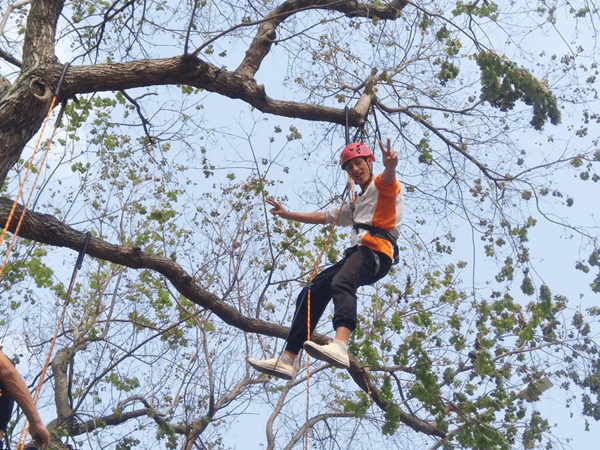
<point x="373" y="231"/>
<point x="349" y="190"/>
<point x="382" y="234"/>
<point x="350" y="151"/>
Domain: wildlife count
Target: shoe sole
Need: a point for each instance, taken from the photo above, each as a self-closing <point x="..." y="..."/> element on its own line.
<point x="315" y="351"/>
<point x="270" y="371"/>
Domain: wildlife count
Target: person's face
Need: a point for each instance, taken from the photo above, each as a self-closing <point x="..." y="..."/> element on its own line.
<point x="359" y="170"/>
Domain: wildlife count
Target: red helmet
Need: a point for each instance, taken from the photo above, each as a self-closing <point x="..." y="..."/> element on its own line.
<point x="356" y="150"/>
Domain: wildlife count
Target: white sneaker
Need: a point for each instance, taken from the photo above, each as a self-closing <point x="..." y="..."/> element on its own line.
<point x="274" y="366"/>
<point x="332" y="353"/>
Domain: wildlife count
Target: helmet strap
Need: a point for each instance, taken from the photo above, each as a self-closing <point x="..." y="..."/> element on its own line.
<point x="370" y="164"/>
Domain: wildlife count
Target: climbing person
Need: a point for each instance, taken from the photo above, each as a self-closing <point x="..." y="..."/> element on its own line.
<point x="13" y="388"/>
<point x="375" y="216"/>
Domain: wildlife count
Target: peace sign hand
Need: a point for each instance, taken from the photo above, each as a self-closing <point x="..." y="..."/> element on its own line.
<point x="390" y="158"/>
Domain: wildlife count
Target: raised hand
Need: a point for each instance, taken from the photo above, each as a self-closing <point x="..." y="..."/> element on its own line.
<point x="390" y="161"/>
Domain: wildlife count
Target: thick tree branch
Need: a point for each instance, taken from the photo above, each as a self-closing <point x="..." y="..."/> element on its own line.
<point x="29" y="92"/>
<point x="14" y="134"/>
<point x="197" y="73"/>
<point x="266" y="34"/>
<point x="361" y="377"/>
<point x="38" y="46"/>
<point x="10" y="58"/>
<point x="48" y="230"/>
<point x="60" y="365"/>
<point x="40" y="74"/>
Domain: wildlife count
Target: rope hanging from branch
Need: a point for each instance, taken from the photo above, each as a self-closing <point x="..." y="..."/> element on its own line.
<point x="348" y="193"/>
<point x="21" y="441"/>
<point x="28" y="169"/>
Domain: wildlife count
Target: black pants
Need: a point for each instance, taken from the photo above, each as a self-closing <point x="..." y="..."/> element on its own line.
<point x="339" y="282"/>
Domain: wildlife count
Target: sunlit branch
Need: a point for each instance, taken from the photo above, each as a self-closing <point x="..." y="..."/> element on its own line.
<point x="9" y="9"/>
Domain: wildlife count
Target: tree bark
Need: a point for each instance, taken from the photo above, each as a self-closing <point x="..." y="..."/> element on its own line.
<point x="24" y="105"/>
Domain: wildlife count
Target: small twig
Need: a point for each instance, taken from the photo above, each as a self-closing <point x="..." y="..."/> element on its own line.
<point x="145" y="122"/>
<point x="187" y="35"/>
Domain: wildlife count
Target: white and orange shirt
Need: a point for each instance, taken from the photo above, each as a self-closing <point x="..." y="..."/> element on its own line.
<point x="380" y="206"/>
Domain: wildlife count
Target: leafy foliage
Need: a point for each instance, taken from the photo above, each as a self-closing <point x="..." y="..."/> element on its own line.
<point x="503" y="83"/>
<point x="455" y="344"/>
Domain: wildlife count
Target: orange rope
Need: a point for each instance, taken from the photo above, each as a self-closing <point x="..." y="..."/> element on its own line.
<point x="25" y="429"/>
<point x="20" y="191"/>
<point x="314" y="272"/>
<point x="38" y="389"/>
<point x="14" y="207"/>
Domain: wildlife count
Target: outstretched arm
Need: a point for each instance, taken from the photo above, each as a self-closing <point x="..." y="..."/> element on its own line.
<point x="311" y="217"/>
<point x="390" y="161"/>
<point x="16" y="387"/>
